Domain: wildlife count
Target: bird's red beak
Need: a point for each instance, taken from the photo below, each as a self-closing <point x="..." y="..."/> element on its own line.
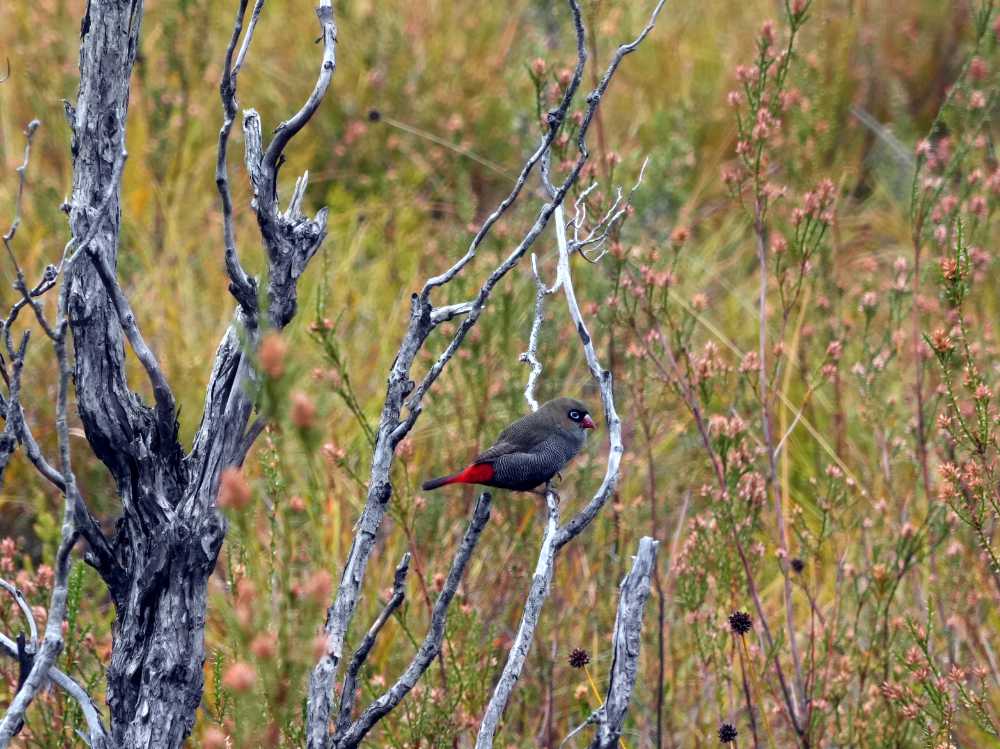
<point x="588" y="423"/>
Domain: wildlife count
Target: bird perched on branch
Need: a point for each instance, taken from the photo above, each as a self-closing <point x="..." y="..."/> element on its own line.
<point x="530" y="451"/>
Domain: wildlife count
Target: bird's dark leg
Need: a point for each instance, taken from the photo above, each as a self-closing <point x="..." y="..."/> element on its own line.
<point x="549" y="486"/>
<point x="545" y="491"/>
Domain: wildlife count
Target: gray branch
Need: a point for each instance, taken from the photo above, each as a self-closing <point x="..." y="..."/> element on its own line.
<point x="52" y="642"/>
<point x="347" y="694"/>
<point x="393" y="427"/>
<point x="340" y="612"/>
<point x="290" y="128"/>
<point x="401" y="390"/>
<point x="241" y="285"/>
<point x="530" y="357"/>
<point x="12" y="404"/>
<point x="625" y="644"/>
<point x="8" y="237"/>
<point x="555" y="538"/>
<point x="540" y="582"/>
<point x="431" y="645"/>
<point x="166" y="406"/>
<point x="25" y="607"/>
<point x="10" y="407"/>
<point x="97" y="733"/>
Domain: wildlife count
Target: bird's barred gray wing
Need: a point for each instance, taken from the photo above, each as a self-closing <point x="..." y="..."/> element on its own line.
<point x="492" y="453"/>
<point x="525" y="433"/>
<point x="522" y="471"/>
<point x="522" y="437"/>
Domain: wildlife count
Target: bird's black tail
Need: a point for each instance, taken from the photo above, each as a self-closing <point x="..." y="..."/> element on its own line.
<point x="431" y="484"/>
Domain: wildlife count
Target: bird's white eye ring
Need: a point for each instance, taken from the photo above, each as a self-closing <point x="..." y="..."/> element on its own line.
<point x="574" y="415"/>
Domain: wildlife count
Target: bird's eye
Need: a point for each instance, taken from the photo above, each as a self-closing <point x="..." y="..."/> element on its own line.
<point x="575" y="415"/>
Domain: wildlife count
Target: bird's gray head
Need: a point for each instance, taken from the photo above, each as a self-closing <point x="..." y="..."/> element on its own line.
<point x="567" y="414"/>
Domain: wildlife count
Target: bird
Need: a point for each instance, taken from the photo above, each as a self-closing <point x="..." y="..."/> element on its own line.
<point x="529" y="452"/>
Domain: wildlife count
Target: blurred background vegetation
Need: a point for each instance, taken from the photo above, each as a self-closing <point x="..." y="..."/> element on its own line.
<point x="433" y="108"/>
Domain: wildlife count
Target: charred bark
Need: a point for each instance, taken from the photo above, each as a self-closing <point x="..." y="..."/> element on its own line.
<point x="168" y="537"/>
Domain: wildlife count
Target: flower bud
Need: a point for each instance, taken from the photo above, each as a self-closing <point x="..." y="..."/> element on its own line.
<point x="303" y="411"/>
<point x="234" y="491"/>
<point x="272" y="355"/>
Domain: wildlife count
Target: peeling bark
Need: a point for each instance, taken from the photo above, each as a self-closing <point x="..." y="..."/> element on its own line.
<point x="169" y="535"/>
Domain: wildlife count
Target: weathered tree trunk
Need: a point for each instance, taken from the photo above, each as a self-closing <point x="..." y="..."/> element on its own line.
<point x="155" y="679"/>
<point x="169" y="536"/>
<point x="163" y="554"/>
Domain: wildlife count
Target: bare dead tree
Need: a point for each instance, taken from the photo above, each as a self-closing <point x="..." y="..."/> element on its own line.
<point x="157" y="563"/>
<point x="404" y="393"/>
<point x="625" y="643"/>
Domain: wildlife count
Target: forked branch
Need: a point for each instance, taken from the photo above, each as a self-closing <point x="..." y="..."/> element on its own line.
<point x="404" y="393"/>
<point x="625" y="645"/>
<point x="349" y="737"/>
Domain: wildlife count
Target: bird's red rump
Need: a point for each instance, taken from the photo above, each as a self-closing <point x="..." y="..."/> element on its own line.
<point x="475" y="474"/>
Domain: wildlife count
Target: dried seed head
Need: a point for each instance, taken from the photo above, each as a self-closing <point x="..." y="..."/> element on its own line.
<point x="727" y="733"/>
<point x="740" y="623"/>
<point x="579" y="658"/>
